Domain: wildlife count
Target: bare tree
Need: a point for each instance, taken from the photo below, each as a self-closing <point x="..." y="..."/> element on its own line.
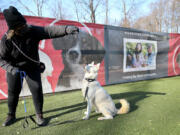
<point x="175" y="15"/>
<point x="39" y="4"/>
<point x="58" y="10"/>
<point x="107" y="11"/>
<point x="144" y="23"/>
<point x="90" y="8"/>
<point x="128" y="11"/>
<point x="164" y="17"/>
<point x="76" y="10"/>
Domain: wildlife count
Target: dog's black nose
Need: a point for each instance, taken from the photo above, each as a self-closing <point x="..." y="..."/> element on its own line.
<point x="73" y="54"/>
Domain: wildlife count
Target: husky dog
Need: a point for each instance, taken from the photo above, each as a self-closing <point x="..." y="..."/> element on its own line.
<point x="98" y="97"/>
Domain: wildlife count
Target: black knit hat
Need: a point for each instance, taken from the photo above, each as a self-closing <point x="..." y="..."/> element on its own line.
<point x="13" y="17"/>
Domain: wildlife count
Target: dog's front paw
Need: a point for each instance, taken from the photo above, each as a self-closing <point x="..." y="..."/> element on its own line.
<point x="85" y="118"/>
<point x="101" y="118"/>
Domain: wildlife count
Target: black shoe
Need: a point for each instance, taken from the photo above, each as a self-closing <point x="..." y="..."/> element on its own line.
<point x="40" y="120"/>
<point x="9" y="120"/>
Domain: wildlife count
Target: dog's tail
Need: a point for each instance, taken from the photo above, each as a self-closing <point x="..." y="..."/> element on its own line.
<point x="125" y="107"/>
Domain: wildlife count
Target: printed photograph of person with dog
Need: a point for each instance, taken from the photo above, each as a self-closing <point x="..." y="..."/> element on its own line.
<point x="139" y="55"/>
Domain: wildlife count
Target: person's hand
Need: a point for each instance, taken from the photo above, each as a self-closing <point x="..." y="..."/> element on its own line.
<point x="72" y="29"/>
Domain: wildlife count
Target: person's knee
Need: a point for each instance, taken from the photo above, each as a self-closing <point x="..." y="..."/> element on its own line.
<point x="36" y="87"/>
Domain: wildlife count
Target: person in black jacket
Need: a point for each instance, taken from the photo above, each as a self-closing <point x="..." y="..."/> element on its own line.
<point x="19" y="52"/>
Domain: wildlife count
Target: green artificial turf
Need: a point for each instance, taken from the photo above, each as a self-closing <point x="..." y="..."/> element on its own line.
<point x="155" y="110"/>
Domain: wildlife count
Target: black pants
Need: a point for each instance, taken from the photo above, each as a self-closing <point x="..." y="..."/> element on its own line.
<point x="33" y="79"/>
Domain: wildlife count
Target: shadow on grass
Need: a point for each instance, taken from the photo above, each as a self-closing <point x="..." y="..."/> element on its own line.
<point x="66" y="107"/>
<point x="134" y="97"/>
<point x="73" y="108"/>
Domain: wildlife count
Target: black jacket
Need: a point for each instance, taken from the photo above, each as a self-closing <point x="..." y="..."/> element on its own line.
<point x="10" y="57"/>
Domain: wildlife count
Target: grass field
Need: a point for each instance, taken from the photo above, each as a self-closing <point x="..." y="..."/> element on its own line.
<point x="155" y="110"/>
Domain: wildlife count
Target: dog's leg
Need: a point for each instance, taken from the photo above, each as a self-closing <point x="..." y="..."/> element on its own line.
<point x="89" y="107"/>
<point x="96" y="108"/>
<point x="107" y="114"/>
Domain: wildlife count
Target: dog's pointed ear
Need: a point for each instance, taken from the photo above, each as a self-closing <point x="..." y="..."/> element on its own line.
<point x="92" y="63"/>
<point x="98" y="65"/>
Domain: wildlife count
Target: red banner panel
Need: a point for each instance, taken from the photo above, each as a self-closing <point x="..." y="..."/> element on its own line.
<point x="174" y="55"/>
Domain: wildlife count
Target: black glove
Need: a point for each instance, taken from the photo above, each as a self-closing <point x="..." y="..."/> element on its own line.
<point x="72" y="29"/>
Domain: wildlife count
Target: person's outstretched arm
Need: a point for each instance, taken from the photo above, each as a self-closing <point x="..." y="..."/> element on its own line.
<point x="48" y="32"/>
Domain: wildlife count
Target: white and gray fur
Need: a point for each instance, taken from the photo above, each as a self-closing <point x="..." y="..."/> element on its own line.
<point x="98" y="97"/>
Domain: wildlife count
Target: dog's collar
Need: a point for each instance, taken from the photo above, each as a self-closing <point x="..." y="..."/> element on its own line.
<point x="90" y="80"/>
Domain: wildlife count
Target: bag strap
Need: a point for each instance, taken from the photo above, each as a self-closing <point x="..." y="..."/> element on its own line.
<point x="29" y="58"/>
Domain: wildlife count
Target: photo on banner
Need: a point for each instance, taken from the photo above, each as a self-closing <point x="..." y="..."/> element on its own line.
<point x="139" y="55"/>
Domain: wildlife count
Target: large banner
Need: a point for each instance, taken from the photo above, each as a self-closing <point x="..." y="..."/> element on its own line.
<point x="125" y="55"/>
<point x="133" y="55"/>
<point x="64" y="57"/>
